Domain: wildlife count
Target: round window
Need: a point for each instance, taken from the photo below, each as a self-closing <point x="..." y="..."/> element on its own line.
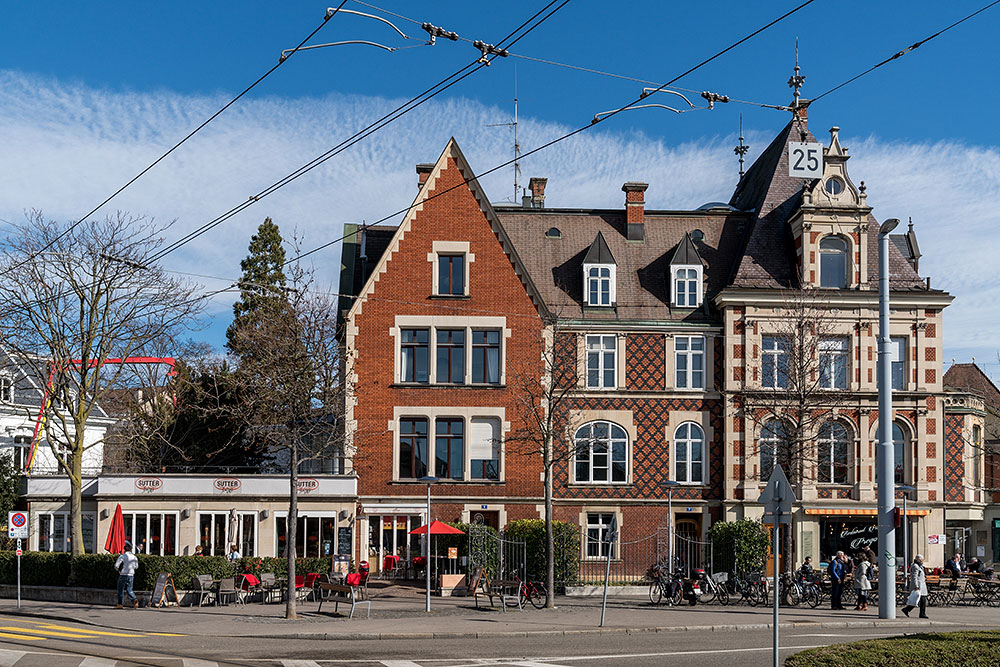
<point x="834" y="186"/>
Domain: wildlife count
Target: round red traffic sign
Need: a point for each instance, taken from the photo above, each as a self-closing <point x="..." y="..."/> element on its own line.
<point x="18" y="552"/>
<point x="18" y="519"/>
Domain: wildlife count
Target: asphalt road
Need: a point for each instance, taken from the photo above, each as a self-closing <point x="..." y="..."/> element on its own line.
<point x="39" y="643"/>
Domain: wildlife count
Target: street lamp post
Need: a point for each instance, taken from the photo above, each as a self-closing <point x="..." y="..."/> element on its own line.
<point x="906" y="532"/>
<point x="669" y="486"/>
<point x="884" y="458"/>
<point x="428" y="480"/>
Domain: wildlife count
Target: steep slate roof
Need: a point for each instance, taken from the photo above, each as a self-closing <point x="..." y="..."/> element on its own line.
<point x="599" y="252"/>
<point x="971" y="378"/>
<point x="643" y="293"/>
<point x="773" y="196"/>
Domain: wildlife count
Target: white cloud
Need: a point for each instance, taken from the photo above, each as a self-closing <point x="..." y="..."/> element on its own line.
<point x="66" y="147"/>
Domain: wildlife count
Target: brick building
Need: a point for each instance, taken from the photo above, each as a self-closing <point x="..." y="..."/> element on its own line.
<point x="673" y="322"/>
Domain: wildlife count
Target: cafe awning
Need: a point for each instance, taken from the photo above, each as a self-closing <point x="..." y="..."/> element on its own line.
<point x="861" y="511"/>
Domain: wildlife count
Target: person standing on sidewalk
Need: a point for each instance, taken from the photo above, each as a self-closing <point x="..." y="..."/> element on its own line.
<point x="862" y="581"/>
<point x="126" y="565"/>
<point x="918" y="584"/>
<point x="837" y="575"/>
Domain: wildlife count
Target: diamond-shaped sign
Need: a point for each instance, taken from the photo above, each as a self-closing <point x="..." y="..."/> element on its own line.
<point x="777" y="497"/>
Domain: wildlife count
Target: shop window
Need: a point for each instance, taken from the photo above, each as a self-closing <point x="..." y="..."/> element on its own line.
<point x="833" y="454"/>
<point x="601" y="453"/>
<point x="689" y="362"/>
<point x="315" y="536"/>
<point x="598" y="526"/>
<point x="218" y="530"/>
<point x="689" y="454"/>
<point x="54" y="532"/>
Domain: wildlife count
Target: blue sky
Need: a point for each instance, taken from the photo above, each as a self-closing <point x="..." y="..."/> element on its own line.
<point x="91" y="92"/>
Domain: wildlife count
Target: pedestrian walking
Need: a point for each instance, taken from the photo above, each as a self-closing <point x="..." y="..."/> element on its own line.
<point x="917" y="588"/>
<point x="862" y="582"/>
<point x="126" y="565"/>
<point x="837" y="575"/>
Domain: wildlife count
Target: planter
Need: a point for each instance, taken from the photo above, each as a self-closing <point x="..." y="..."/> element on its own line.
<point x="451" y="584"/>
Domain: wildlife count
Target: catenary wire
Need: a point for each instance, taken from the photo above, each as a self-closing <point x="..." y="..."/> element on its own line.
<point x="388" y="118"/>
<point x="900" y="54"/>
<point x="557" y="140"/>
<point x="177" y="145"/>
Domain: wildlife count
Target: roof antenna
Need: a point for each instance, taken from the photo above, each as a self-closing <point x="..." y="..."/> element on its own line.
<point x="517" y="146"/>
<point x="796" y="80"/>
<point x="742" y="149"/>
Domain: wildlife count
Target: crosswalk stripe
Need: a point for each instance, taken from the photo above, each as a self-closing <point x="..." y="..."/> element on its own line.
<point x="192" y="662"/>
<point x="399" y="663"/>
<point x="46" y="633"/>
<point x="300" y="663"/>
<point x="8" y="658"/>
<point x="97" y="662"/>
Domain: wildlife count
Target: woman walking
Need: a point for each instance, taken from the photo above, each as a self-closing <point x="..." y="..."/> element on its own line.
<point x="862" y="582"/>
<point x="918" y="587"/>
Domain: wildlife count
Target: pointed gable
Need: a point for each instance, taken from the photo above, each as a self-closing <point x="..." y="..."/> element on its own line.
<point x="599" y="252"/>
<point x="686" y="253"/>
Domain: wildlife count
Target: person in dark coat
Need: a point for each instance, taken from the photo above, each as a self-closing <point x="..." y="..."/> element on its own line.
<point x="837" y="575"/>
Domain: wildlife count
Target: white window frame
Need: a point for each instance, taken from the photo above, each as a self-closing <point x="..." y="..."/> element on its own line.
<point x="685" y="378"/>
<point x="6" y="388"/>
<point x="610" y="440"/>
<point x="241" y="517"/>
<point x="434" y="323"/>
<point x="897" y="350"/>
<point x="827" y="441"/>
<point x="779" y="352"/>
<point x="676" y="279"/>
<point x="772" y="443"/>
<point x="148" y="514"/>
<point x="846" y="277"/>
<point x="599" y="279"/>
<point x="36" y="518"/>
<point x="602" y="527"/>
<point x="313" y="514"/>
<point x="468" y="415"/>
<point x="833" y="351"/>
<point x="688" y="478"/>
<point x="601" y="353"/>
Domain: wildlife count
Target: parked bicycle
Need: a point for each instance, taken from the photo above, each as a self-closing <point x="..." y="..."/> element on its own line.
<point x="665" y="585"/>
<point x="712" y="587"/>
<point x="531" y="591"/>
<point x="751" y="587"/>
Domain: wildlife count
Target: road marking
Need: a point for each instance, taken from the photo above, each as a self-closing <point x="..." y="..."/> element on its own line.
<point x="97" y="662"/>
<point x="300" y="663"/>
<point x="8" y="658"/>
<point x="84" y="631"/>
<point x="47" y="633"/>
<point x="399" y="663"/>
<point x="192" y="662"/>
<point x="621" y="656"/>
<point x="12" y="636"/>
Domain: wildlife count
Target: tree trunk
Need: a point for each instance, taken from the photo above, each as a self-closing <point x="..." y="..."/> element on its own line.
<point x="550" y="543"/>
<point x="76" y="503"/>
<point x="291" y="526"/>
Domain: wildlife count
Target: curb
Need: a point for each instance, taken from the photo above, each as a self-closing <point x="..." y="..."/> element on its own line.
<point x="409" y="636"/>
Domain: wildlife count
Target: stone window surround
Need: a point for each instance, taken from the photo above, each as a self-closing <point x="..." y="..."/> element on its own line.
<point x="671" y="366"/>
<point x="622" y="418"/>
<point x="449" y="248"/>
<point x="702" y="419"/>
<point x="466" y="414"/>
<point x="581" y="356"/>
<point x="434" y="322"/>
<point x="582" y="521"/>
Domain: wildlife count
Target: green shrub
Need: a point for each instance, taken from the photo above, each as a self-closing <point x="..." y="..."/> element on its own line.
<point x="38" y="568"/>
<point x="567" y="548"/>
<point x="181" y="568"/>
<point x="739" y="546"/>
<point x="257" y="565"/>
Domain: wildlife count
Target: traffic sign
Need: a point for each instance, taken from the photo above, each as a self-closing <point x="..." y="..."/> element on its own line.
<point x="805" y="159"/>
<point x="18" y="552"/>
<point x="17" y="525"/>
<point x="777" y="498"/>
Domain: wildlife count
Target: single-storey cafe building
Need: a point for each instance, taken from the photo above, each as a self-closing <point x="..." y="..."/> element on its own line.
<point x="172" y="514"/>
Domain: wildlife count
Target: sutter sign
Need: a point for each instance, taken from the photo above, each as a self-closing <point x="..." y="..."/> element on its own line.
<point x="307" y="484"/>
<point x="148" y="484"/>
<point x="227" y="484"/>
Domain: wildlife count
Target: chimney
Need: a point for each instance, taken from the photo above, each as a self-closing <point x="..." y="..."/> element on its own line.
<point x="423" y="171"/>
<point x="635" y="210"/>
<point x="537" y="187"/>
<point x="801" y="111"/>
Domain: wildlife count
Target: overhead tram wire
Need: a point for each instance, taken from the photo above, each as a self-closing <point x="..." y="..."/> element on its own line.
<point x="35" y="254"/>
<point x="557" y="140"/>
<point x="900" y="54"/>
<point x="385" y="120"/>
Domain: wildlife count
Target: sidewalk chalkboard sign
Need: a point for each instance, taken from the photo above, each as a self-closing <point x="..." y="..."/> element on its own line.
<point x="164" y="591"/>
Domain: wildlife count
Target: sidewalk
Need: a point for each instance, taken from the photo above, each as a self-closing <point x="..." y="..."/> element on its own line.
<point x="398" y="613"/>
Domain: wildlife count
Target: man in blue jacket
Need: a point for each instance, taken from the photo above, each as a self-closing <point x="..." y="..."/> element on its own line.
<point x="837" y="575"/>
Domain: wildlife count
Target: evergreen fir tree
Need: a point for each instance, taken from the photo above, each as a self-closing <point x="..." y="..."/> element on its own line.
<point x="262" y="286"/>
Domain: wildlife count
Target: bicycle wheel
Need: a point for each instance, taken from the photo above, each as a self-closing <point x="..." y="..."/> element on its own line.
<point x="794" y="595"/>
<point x="812" y="596"/>
<point x="655" y="592"/>
<point x="537" y="595"/>
<point x="709" y="591"/>
<point x="677" y="597"/>
<point x="722" y="595"/>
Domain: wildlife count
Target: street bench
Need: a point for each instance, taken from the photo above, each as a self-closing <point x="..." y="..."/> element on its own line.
<point x="507" y="591"/>
<point x="338" y="593"/>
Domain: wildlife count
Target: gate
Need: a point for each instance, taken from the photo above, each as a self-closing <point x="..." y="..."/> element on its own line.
<point x="500" y="557"/>
<point x="691" y="555"/>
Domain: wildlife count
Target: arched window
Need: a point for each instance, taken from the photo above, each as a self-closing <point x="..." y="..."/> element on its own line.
<point x="601" y="453"/>
<point x="686" y="287"/>
<point x="833" y="262"/>
<point x="689" y="454"/>
<point x="773" y="439"/>
<point x="832" y="443"/>
<point x="900" y="443"/>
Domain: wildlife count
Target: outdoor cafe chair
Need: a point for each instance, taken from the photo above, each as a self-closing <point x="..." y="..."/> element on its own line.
<point x="249" y="584"/>
<point x="202" y="584"/>
<point x="227" y="588"/>
<point x="269" y="586"/>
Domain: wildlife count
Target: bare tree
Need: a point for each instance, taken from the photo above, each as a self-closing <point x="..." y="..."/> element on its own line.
<point x="293" y="399"/>
<point x="543" y="397"/>
<point x="804" y="380"/>
<point x="74" y="298"/>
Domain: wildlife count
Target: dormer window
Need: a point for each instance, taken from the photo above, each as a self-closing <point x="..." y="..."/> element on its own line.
<point x="687" y="287"/>
<point x="599" y="274"/>
<point x="833" y="262"/>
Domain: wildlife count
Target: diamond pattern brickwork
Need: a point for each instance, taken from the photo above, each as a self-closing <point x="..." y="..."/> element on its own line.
<point x="645" y="369"/>
<point x="954" y="465"/>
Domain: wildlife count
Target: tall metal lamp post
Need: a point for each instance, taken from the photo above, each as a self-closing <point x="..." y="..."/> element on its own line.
<point x="428" y="480"/>
<point x="906" y="531"/>
<point x="884" y="459"/>
<point x="669" y="486"/>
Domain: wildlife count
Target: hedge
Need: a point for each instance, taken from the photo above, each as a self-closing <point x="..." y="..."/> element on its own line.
<point x="567" y="548"/>
<point x="39" y="568"/>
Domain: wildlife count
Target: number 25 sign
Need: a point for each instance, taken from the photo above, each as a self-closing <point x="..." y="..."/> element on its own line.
<point x="805" y="160"/>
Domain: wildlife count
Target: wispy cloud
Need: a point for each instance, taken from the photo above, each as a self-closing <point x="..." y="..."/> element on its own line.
<point x="66" y="147"/>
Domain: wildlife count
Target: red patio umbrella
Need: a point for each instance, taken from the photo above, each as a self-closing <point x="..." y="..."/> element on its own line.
<point x="116" y="535"/>
<point x="437" y="528"/>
